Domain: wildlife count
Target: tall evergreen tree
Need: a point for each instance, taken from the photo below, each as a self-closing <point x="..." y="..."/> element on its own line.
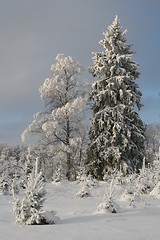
<point x="117" y="132"/>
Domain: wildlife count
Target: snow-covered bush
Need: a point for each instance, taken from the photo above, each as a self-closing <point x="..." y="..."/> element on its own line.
<point x="117" y="175"/>
<point x="85" y="179"/>
<point x="4" y="185"/>
<point x="136" y="200"/>
<point x="84" y="192"/>
<point x="136" y="185"/>
<point x="143" y="181"/>
<point x="15" y="185"/>
<point x="155" y="193"/>
<point x="127" y="195"/>
<point x="143" y="184"/>
<point x="133" y="198"/>
<point x="86" y="182"/>
<point x="29" y="211"/>
<point x="11" y="169"/>
<point x="9" y="186"/>
<point x="108" y="204"/>
<point x="81" y="175"/>
<point x="57" y="174"/>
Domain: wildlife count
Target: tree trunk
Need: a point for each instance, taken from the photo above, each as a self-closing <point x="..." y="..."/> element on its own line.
<point x="68" y="168"/>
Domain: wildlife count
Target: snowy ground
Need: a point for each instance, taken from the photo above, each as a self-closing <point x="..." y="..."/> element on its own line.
<point x="79" y="219"/>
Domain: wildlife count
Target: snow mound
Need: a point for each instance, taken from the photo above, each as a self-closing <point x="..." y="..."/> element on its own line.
<point x="109" y="206"/>
<point x="50" y="217"/>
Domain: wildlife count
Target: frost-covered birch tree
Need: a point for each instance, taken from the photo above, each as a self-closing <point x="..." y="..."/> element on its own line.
<point x="62" y="125"/>
<point x="117" y="131"/>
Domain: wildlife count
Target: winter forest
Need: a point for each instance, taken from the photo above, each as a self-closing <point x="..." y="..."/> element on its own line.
<point x="88" y="144"/>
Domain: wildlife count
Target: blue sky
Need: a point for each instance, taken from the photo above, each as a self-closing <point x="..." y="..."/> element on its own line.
<point x="33" y="32"/>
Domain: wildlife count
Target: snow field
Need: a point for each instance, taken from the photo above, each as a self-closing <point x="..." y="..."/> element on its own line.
<point x="79" y="218"/>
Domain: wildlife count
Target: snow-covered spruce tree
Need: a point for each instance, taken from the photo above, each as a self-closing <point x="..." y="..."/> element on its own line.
<point x="108" y="204"/>
<point x="29" y="210"/>
<point x="62" y="125"/>
<point x="117" y="132"/>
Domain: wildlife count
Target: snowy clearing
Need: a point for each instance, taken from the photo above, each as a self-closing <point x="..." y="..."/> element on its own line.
<point x="79" y="219"/>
